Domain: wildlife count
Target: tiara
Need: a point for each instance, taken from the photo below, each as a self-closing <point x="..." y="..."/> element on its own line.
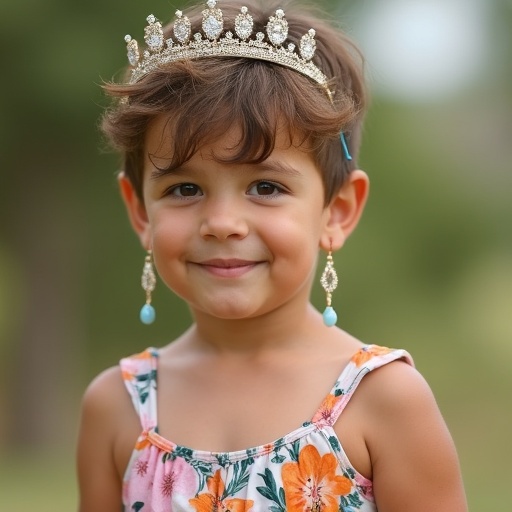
<point x="209" y="43"/>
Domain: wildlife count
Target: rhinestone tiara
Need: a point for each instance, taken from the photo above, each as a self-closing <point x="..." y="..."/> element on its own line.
<point x="211" y="43"/>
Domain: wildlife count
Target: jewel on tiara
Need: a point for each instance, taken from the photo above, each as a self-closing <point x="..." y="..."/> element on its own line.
<point x="209" y="43"/>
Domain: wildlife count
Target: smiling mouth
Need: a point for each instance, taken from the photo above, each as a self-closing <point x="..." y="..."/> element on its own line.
<point x="227" y="267"/>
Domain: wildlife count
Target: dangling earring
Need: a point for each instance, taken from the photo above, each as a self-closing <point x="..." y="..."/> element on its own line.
<point x="329" y="282"/>
<point x="148" y="281"/>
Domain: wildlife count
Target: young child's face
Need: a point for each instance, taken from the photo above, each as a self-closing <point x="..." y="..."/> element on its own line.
<point x="234" y="240"/>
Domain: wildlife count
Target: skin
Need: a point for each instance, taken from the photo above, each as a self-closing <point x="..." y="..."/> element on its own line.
<point x="239" y="244"/>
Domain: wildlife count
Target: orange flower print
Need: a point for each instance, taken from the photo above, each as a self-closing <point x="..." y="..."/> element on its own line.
<point x="143" y="355"/>
<point x="215" y="501"/>
<point x="127" y="376"/>
<point x="365" y="354"/>
<point x="325" y="411"/>
<point x="311" y="484"/>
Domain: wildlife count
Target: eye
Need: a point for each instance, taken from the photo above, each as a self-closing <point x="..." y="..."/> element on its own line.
<point x="186" y="190"/>
<point x="265" y="188"/>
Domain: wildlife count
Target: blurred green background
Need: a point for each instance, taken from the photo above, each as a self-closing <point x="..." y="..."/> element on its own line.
<point x="429" y="269"/>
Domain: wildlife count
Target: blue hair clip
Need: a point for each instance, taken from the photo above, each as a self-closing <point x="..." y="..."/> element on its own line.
<point x="344" y="145"/>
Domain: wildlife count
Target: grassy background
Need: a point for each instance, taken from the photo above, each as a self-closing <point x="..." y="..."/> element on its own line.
<point x="429" y="269"/>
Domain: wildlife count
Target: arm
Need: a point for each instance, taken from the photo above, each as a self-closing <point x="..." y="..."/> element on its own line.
<point x="99" y="481"/>
<point x="414" y="462"/>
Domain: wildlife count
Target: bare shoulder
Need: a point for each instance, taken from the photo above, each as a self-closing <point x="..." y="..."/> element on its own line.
<point x="106" y="403"/>
<point x="107" y="410"/>
<point x="106" y="414"/>
<point x="104" y="390"/>
<point x="414" y="462"/>
<point x="397" y="388"/>
<point x="398" y="406"/>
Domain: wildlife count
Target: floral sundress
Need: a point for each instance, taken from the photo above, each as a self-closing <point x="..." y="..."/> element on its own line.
<point x="304" y="471"/>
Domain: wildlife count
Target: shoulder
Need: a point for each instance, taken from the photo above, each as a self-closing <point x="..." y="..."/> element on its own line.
<point x="412" y="454"/>
<point x="107" y="408"/>
<point x="393" y="386"/>
<point x="109" y="422"/>
<point x="104" y="401"/>
<point x="394" y="398"/>
<point x="105" y="411"/>
<point x="104" y="389"/>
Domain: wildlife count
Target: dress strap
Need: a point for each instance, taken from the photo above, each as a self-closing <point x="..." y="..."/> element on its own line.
<point x="368" y="358"/>
<point x="140" y="377"/>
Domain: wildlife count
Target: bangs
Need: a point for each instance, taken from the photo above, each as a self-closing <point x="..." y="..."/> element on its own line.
<point x="257" y="98"/>
<point x="206" y="98"/>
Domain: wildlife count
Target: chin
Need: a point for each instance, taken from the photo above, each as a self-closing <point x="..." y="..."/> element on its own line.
<point x="227" y="311"/>
<point x="231" y="314"/>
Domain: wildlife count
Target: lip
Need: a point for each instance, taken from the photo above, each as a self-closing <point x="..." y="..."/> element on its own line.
<point x="232" y="267"/>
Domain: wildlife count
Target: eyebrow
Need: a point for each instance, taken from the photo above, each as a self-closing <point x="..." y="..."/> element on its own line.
<point x="160" y="173"/>
<point x="279" y="167"/>
<point x="268" y="165"/>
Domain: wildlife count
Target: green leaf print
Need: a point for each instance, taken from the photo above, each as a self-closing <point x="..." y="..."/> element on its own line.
<point x="144" y="384"/>
<point x="200" y="466"/>
<point x="239" y="481"/>
<point x="294" y="450"/>
<point x="349" y="473"/>
<point x="282" y="496"/>
<point x="267" y="493"/>
<point x="269" y="480"/>
<point x="278" y="459"/>
<point x="334" y="443"/>
<point x="355" y="500"/>
<point x="350" y="502"/>
<point x="222" y="459"/>
<point x="185" y="453"/>
<point x="279" y="443"/>
<point x="146" y="376"/>
<point x="137" y="506"/>
<point x="203" y="470"/>
<point x="245" y="463"/>
<point x="251" y="452"/>
<point x="271" y="493"/>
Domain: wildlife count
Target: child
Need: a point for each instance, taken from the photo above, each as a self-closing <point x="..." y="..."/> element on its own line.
<point x="239" y="165"/>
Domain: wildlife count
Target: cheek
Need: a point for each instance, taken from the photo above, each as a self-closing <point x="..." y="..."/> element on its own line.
<point x="169" y="237"/>
<point x="294" y="238"/>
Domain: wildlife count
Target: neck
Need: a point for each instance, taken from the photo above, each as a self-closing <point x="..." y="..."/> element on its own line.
<point x="277" y="331"/>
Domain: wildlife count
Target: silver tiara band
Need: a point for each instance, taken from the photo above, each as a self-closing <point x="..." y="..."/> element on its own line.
<point x="270" y="46"/>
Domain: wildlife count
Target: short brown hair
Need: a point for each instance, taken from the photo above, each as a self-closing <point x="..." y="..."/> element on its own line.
<point x="205" y="97"/>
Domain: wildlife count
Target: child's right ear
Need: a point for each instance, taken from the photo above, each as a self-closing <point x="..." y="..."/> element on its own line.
<point x="136" y="210"/>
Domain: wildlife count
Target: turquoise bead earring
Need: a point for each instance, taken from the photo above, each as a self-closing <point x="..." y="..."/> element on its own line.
<point x="148" y="281"/>
<point x="329" y="282"/>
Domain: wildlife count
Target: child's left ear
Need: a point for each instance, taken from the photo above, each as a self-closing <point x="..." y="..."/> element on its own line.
<point x="136" y="210"/>
<point x="345" y="210"/>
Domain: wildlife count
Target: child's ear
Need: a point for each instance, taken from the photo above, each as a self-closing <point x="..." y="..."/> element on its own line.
<point x="136" y="210"/>
<point x="345" y="210"/>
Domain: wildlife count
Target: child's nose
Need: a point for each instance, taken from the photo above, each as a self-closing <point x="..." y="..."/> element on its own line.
<point x="224" y="219"/>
